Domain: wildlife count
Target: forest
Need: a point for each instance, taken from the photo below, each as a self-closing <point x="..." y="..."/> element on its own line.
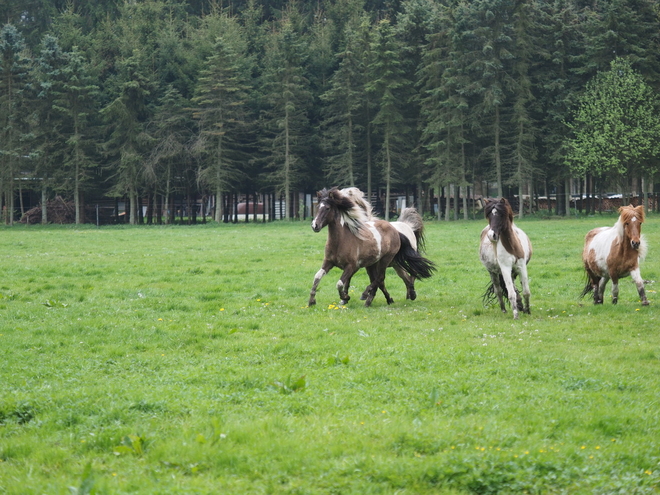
<point x="204" y="101"/>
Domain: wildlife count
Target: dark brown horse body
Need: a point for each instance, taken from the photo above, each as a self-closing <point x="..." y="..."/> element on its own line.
<point x="614" y="253"/>
<point x="355" y="241"/>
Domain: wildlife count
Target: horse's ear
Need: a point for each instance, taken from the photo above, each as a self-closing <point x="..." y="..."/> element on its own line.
<point x="640" y="211"/>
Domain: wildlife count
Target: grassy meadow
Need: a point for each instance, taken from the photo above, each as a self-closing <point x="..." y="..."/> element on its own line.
<point x="172" y="360"/>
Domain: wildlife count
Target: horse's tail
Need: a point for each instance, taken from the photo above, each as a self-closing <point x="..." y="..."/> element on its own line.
<point x="490" y="297"/>
<point x="411" y="261"/>
<point x="589" y="287"/>
<point x="412" y="217"/>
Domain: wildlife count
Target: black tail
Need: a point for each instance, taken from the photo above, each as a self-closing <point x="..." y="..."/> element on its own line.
<point x="589" y="288"/>
<point x="412" y="262"/>
<point x="490" y="297"/>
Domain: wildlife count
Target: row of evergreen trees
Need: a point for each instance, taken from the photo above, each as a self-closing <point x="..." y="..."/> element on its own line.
<point x="148" y="99"/>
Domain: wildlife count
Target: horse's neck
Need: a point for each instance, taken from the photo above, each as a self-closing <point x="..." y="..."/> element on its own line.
<point x="511" y="242"/>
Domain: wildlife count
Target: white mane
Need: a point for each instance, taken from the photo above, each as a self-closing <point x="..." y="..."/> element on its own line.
<point x="357" y="196"/>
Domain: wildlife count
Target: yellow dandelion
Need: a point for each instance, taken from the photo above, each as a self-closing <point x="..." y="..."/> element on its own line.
<point x="583" y="447"/>
<point x="160" y="319"/>
<point x="222" y="309"/>
<point x="597" y="447"/>
<point x="648" y="471"/>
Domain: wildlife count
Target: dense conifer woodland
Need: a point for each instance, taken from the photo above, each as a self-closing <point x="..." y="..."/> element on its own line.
<point x="172" y="106"/>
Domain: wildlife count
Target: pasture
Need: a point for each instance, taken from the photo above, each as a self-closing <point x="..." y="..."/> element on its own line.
<point x="170" y="360"/>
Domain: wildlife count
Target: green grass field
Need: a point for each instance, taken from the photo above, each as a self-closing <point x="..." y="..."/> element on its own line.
<point x="171" y="360"/>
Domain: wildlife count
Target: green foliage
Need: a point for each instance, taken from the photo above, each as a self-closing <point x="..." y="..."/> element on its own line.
<point x="616" y="127"/>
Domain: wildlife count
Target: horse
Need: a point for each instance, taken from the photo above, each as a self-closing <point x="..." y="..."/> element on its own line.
<point x="505" y="251"/>
<point x="614" y="253"/>
<point x="355" y="241"/>
<point x="410" y="224"/>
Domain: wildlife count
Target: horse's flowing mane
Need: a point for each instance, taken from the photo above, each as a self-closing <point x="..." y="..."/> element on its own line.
<point x="357" y="196"/>
<point x="509" y="240"/>
<point x="352" y="215"/>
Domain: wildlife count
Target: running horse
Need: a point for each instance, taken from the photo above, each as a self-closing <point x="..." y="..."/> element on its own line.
<point x="505" y="251"/>
<point x="614" y="253"/>
<point x="410" y="224"/>
<point x="355" y="241"/>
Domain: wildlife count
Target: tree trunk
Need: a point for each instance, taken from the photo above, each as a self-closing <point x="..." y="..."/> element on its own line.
<point x="447" y="202"/>
<point x="388" y="174"/>
<point x="44" y="205"/>
<point x="498" y="161"/>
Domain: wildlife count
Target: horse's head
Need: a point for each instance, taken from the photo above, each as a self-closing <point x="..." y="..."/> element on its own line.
<point x="500" y="216"/>
<point x="632" y="219"/>
<point x="324" y="208"/>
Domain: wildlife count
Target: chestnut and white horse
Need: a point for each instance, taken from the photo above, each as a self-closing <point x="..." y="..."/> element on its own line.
<point x="614" y="253"/>
<point x="505" y="251"/>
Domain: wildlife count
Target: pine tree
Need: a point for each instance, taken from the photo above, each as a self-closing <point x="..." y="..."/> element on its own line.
<point x="391" y="92"/>
<point x="287" y="100"/>
<point x="46" y="87"/>
<point x="75" y="101"/>
<point x="445" y="103"/>
<point x="344" y="99"/>
<point x="220" y="107"/>
<point x="126" y="116"/>
<point x="491" y="71"/>
<point x="14" y="73"/>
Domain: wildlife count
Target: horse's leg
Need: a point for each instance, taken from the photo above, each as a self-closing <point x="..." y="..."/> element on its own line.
<point x="599" y="292"/>
<point x="639" y="282"/>
<point x="377" y="276"/>
<point x="370" y="292"/>
<point x="495" y="280"/>
<point x="511" y="289"/>
<point x="325" y="268"/>
<point x="524" y="279"/>
<point x="615" y="290"/>
<point x="344" y="283"/>
<point x="408" y="280"/>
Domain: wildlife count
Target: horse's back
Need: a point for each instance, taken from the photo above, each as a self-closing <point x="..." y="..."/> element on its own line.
<point x="597" y="246"/>
<point x="406" y="230"/>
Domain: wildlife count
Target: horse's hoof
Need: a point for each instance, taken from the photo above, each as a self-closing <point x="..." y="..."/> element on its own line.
<point x="412" y="296"/>
<point x="615" y="300"/>
<point x="363" y="297"/>
<point x="343" y="302"/>
<point x="311" y="302"/>
<point x="390" y="301"/>
<point x="645" y="303"/>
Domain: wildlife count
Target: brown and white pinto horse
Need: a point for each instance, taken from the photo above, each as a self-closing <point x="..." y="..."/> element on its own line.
<point x="505" y="251"/>
<point x="410" y="224"/>
<point x="614" y="253"/>
<point x="356" y="241"/>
